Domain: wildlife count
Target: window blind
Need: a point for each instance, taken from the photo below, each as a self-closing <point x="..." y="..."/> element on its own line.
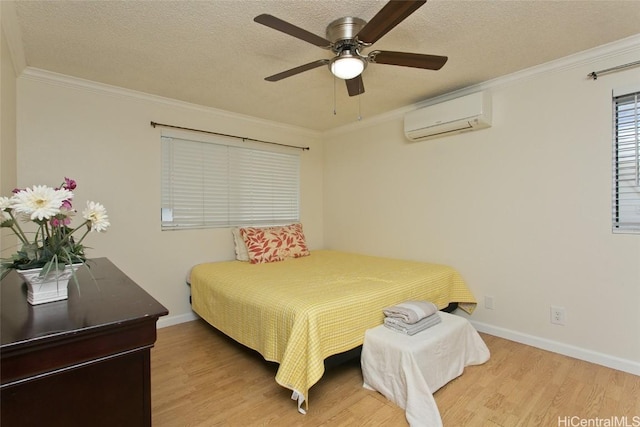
<point x="207" y="184"/>
<point x="626" y="158"/>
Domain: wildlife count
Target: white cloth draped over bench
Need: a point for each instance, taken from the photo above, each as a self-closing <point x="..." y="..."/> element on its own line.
<point x="408" y="369"/>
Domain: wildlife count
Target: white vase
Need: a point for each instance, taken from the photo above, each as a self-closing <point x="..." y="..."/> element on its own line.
<point x="49" y="288"/>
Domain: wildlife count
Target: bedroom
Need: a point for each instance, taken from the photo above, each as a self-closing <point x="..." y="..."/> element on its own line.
<point x="492" y="203"/>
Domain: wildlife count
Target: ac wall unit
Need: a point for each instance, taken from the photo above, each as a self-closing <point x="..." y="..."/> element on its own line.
<point x="462" y="114"/>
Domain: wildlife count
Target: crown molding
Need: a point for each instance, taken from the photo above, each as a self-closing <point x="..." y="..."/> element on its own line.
<point x="597" y="54"/>
<point x="57" y="79"/>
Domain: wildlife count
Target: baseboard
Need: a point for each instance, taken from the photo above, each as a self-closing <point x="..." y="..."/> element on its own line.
<point x="607" y="360"/>
<point x="163" y="322"/>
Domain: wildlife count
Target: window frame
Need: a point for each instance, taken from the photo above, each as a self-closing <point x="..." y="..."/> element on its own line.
<point x="626" y="162"/>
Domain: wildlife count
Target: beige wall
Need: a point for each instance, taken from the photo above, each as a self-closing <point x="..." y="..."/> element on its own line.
<point x="102" y="138"/>
<point x="521" y="209"/>
<point x="7" y="131"/>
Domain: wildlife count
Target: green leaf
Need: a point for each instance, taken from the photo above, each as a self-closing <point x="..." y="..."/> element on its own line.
<point x="30" y="251"/>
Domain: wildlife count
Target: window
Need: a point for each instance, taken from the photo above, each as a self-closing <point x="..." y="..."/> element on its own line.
<point x="218" y="184"/>
<point x="626" y="162"/>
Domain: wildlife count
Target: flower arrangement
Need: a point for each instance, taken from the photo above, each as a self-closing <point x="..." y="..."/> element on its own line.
<point x="53" y="244"/>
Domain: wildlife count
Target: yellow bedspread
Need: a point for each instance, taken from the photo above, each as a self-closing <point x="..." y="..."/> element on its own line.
<point x="300" y="311"/>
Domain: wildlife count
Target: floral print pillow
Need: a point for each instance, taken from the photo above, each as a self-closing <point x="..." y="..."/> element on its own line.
<point x="273" y="244"/>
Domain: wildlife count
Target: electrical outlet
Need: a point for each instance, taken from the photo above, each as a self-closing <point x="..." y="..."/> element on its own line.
<point x="488" y="302"/>
<point x="558" y="315"/>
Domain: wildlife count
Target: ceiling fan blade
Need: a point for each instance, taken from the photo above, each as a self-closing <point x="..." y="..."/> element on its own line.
<point x="388" y="17"/>
<point x="297" y="70"/>
<point x="290" y="29"/>
<point x="416" y="60"/>
<point x="355" y="86"/>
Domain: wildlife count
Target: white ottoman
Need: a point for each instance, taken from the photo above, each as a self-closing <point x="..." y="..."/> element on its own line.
<point x="408" y="369"/>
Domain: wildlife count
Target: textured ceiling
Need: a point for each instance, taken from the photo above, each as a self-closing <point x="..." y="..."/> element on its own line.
<point x="212" y="53"/>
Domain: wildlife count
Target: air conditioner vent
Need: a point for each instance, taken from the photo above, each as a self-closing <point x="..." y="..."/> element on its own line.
<point x="462" y="114"/>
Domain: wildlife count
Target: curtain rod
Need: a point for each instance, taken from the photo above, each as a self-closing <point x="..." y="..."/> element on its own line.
<point x="594" y="74"/>
<point x="154" y="124"/>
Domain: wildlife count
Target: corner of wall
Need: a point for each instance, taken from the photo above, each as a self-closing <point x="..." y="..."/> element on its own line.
<point x="8" y="144"/>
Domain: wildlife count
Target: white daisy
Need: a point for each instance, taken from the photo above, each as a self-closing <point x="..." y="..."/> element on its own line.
<point x="40" y="202"/>
<point x="5" y="203"/>
<point x="97" y="214"/>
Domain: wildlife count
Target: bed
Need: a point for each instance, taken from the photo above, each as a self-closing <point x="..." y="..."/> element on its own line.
<point x="300" y="311"/>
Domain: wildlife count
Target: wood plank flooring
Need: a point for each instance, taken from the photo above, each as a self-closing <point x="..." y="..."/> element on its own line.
<point x="202" y="378"/>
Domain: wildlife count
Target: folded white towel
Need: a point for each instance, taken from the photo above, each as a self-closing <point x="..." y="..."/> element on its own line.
<point x="412" y="328"/>
<point x="411" y="311"/>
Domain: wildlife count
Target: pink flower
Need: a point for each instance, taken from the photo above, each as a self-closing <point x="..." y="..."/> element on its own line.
<point x="55" y="222"/>
<point x="66" y="204"/>
<point x="69" y="184"/>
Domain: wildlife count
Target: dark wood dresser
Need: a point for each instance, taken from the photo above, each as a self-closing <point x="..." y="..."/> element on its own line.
<point x="80" y="362"/>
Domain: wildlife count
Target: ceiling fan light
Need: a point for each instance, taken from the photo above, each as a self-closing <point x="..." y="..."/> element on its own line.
<point x="347" y="66"/>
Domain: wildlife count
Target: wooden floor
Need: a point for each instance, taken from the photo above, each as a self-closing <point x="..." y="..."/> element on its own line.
<point x="202" y="378"/>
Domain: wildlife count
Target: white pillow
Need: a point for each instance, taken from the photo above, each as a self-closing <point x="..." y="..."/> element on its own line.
<point x="241" y="248"/>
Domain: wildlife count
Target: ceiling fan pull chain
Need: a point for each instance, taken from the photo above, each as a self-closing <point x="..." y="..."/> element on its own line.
<point x="359" y="108"/>
<point x="334" y="96"/>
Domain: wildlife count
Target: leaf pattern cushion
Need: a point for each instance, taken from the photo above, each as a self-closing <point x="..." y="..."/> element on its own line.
<point x="272" y="244"/>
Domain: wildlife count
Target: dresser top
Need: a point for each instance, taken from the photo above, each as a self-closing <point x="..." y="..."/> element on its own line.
<point x="104" y="297"/>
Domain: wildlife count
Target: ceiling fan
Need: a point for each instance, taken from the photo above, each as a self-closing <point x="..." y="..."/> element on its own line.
<point x="347" y="37"/>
